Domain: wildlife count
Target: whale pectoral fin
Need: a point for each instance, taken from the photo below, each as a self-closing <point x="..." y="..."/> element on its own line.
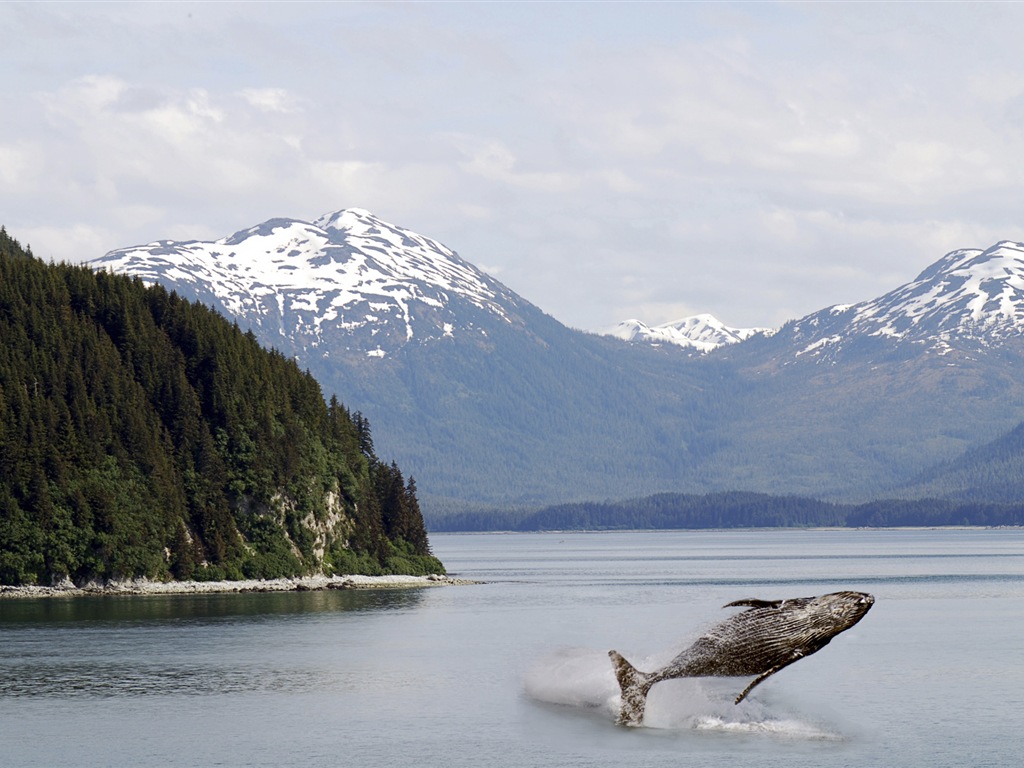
<point x="757" y="681"/>
<point x="765" y="675"/>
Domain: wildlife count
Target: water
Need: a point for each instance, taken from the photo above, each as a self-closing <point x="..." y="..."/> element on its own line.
<point x="514" y="673"/>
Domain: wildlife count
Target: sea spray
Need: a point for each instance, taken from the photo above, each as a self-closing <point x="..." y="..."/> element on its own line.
<point x="576" y="677"/>
<point x="583" y="678"/>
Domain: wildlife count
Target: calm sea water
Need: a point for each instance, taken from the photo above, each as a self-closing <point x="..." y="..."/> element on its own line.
<point x="514" y="673"/>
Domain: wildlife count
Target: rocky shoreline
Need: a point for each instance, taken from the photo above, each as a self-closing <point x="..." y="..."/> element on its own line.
<point x="298" y="584"/>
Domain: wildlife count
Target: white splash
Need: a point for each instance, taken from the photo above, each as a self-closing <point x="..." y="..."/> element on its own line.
<point x="583" y="678"/>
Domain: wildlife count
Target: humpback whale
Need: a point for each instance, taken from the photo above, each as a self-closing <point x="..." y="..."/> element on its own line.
<point x="768" y="636"/>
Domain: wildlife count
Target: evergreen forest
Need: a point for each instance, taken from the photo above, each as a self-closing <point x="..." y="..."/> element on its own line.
<point x="145" y="436"/>
<point x="737" y="509"/>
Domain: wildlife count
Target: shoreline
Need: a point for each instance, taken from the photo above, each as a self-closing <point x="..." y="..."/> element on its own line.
<point x="297" y="584"/>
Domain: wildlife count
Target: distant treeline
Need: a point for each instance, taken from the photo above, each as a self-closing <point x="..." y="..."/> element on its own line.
<point x="735" y="510"/>
<point x="143" y="435"/>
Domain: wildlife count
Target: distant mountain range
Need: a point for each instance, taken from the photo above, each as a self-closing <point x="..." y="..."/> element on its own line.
<point x="487" y="400"/>
<point x="700" y="333"/>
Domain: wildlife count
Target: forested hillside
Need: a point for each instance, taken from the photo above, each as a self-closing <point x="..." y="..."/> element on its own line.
<point x="738" y="510"/>
<point x="142" y="435"/>
<point x="993" y="472"/>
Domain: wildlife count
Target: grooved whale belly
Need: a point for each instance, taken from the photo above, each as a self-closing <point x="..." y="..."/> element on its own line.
<point x="759" y="641"/>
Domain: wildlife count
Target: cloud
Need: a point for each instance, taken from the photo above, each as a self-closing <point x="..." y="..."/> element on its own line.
<point x="14" y="164"/>
<point x="748" y="160"/>
<point x="271" y="100"/>
<point x="493" y="161"/>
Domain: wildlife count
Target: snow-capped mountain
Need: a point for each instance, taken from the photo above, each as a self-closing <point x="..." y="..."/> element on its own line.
<point x="969" y="295"/>
<point x="700" y="333"/>
<point x="297" y="283"/>
<point x="487" y="399"/>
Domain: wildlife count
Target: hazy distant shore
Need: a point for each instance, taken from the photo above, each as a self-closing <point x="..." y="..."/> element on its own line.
<point x="298" y="584"/>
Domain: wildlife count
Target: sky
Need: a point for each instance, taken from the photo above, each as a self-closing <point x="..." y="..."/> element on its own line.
<point x="606" y="161"/>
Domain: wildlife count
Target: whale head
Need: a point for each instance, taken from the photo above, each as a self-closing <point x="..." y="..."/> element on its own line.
<point x="838" y="611"/>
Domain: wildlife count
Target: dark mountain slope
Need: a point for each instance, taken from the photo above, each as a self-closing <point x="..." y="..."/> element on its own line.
<point x="522" y="416"/>
<point x="859" y="426"/>
<point x="993" y="472"/>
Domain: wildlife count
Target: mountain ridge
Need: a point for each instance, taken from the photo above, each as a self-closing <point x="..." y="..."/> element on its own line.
<point x="489" y="400"/>
<point x="700" y="333"/>
<point x="352" y="262"/>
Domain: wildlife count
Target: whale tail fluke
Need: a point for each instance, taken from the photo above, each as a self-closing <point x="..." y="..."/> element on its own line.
<point x="635" y="686"/>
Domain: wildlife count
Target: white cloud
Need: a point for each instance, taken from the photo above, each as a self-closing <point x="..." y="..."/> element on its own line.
<point x="271" y="100"/>
<point x="748" y="160"/>
<point x="14" y="165"/>
<point x="65" y="243"/>
<point x="493" y="161"/>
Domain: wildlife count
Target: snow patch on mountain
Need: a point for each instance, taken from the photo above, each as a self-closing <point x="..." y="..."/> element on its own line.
<point x="700" y="333"/>
<point x="968" y="294"/>
<point x="348" y="270"/>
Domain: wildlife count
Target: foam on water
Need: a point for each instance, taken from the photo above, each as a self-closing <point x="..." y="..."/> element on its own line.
<point x="577" y="677"/>
<point x="583" y="678"/>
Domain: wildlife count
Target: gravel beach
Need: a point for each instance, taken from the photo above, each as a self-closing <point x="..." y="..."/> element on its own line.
<point x="298" y="584"/>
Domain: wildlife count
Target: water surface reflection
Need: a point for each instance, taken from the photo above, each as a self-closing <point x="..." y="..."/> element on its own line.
<point x="189" y="645"/>
<point x="197" y="608"/>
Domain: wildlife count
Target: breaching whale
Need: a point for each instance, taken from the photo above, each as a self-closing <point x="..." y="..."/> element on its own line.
<point x="768" y="636"/>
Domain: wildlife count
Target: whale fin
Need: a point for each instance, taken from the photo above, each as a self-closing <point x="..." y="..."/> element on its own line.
<point x="754" y="603"/>
<point x="766" y="674"/>
<point x="635" y="686"/>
